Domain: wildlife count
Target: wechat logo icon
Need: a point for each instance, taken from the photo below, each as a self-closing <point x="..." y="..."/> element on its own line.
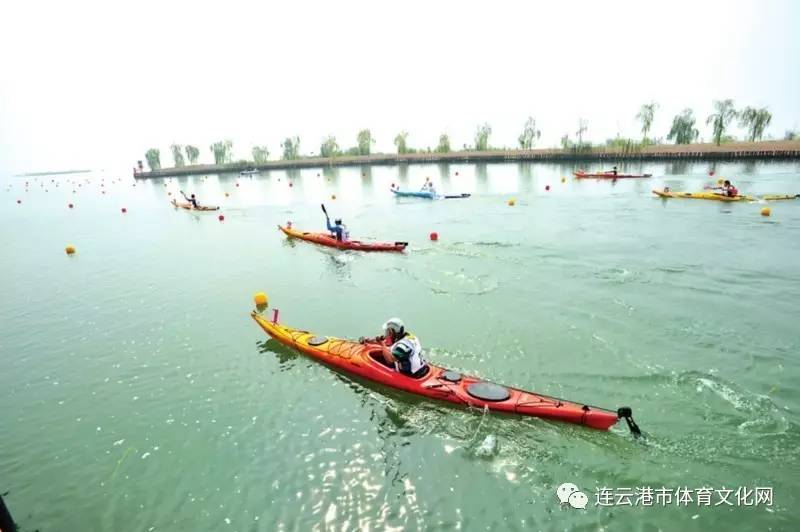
<point x="569" y="493"/>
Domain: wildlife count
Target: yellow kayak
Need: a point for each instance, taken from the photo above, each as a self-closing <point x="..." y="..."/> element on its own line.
<point x="719" y="197"/>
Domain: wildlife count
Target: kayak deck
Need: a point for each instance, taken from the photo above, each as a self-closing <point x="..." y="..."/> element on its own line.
<point x="609" y="175"/>
<point x="364" y="360"/>
<point x="325" y="239"/>
<point x="190" y="207"/>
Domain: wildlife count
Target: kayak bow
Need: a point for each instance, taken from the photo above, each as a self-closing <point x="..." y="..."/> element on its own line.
<point x="365" y="361"/>
<point x="325" y="239"/>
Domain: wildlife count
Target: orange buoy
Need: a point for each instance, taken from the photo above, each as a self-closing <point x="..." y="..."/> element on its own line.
<point x="766" y="211"/>
<point x="70" y="249"/>
<point x="512" y="202"/>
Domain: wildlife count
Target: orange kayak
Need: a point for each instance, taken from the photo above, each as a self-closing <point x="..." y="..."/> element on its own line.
<point x="365" y="361"/>
<point x="189" y="207"/>
<point x="324" y="239"/>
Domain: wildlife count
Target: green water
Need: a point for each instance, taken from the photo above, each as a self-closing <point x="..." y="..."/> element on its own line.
<point x="137" y="394"/>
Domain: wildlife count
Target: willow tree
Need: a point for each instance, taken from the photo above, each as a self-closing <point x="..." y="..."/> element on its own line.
<point x="683" y="130"/>
<point x="153" y="157"/>
<point x="529" y="134"/>
<point x="756" y="121"/>
<point x="645" y="116"/>
<point x="725" y="113"/>
<point x="365" y="142"/>
<point x="482" y="137"/>
<point x="177" y="155"/>
<point x="400" y="142"/>
<point x="444" y="144"/>
<point x="260" y="154"/>
<point x="291" y="148"/>
<point x="192" y="153"/>
<point x="329" y="147"/>
<point x="223" y="151"/>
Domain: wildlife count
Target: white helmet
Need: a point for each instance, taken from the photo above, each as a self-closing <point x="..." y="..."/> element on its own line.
<point x="395" y="325"/>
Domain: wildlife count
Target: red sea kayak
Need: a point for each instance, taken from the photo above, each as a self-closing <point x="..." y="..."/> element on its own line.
<point x="325" y="239"/>
<point x="609" y="175"/>
<point x="364" y="360"/>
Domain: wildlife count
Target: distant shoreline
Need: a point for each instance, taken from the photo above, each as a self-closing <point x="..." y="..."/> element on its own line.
<point x="778" y="149"/>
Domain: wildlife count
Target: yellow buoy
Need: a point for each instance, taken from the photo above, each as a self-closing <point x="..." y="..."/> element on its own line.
<point x="333" y="196"/>
<point x="563" y="179"/>
<point x="766" y="211"/>
<point x="261" y="301"/>
<point x="512" y="202"/>
<point x="70" y="249"/>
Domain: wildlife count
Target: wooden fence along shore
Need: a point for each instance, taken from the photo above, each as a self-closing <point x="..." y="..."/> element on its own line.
<point x="690" y="152"/>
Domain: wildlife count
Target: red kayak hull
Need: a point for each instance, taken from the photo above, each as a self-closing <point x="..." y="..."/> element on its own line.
<point x="362" y="360"/>
<point x="609" y="175"/>
<point x="325" y="239"/>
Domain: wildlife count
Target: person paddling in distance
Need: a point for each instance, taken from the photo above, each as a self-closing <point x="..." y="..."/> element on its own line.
<point x="338" y="229"/>
<point x="191" y="200"/>
<point x="727" y="189"/>
<point x="428" y="187"/>
<point x="400" y="348"/>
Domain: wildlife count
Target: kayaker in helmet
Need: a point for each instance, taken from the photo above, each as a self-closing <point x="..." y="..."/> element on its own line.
<point x="338" y="229"/>
<point x="400" y="348"/>
<point x="191" y="200"/>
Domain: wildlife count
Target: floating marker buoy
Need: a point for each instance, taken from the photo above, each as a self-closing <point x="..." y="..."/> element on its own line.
<point x="124" y="210"/>
<point x="563" y="179"/>
<point x="333" y="196"/>
<point x="169" y="193"/>
<point x="260" y="299"/>
<point x="456" y="173"/>
<point x="291" y="185"/>
<point x="711" y="173"/>
<point x="547" y="187"/>
<point x="227" y="195"/>
<point x="19" y="201"/>
<point x="392" y="185"/>
<point x="512" y="202"/>
<point x="317" y="174"/>
<point x="720" y="181"/>
<point x="434" y="236"/>
<point x="766" y="211"/>
<point x="70" y="205"/>
<point x="221" y="218"/>
<point x="363" y="174"/>
<point x="237" y="184"/>
<point x="70" y="249"/>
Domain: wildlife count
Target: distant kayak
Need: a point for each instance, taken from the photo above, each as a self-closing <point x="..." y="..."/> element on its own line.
<point x="189" y="207"/>
<point x="719" y="197"/>
<point x="248" y="172"/>
<point x="364" y="360"/>
<point x="324" y="239"/>
<point x="609" y="175"/>
<point x="427" y="195"/>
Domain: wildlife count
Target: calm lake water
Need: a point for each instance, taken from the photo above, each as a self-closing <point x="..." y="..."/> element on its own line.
<point x="137" y="394"/>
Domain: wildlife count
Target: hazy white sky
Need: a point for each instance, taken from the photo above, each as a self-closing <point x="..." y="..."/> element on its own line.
<point x="94" y="84"/>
